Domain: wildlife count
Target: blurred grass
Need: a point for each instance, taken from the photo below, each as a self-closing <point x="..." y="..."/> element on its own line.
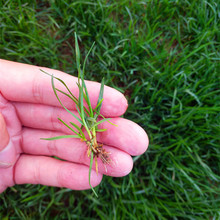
<point x="164" y="56"/>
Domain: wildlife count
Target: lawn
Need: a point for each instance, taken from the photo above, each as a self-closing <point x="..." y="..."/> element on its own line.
<point x="164" y="56"/>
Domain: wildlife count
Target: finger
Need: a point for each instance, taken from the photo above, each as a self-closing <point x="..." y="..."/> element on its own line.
<point x="4" y="136"/>
<point x="44" y="116"/>
<point x="127" y="136"/>
<point x="52" y="172"/>
<point x="33" y="86"/>
<point x="75" y="151"/>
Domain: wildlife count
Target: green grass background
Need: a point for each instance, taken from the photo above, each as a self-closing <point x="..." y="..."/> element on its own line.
<point x="164" y="56"/>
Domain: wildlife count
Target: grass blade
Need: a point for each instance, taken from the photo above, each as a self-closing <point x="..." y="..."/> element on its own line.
<point x="107" y="121"/>
<point x="86" y="91"/>
<point x="87" y="55"/>
<point x="90" y="169"/>
<point x="80" y="78"/>
<point x="69" y="127"/>
<point x="77" y="52"/>
<point x="60" y="137"/>
<point x="99" y="122"/>
<point x="98" y="104"/>
<point x="54" y="89"/>
<point x="79" y="129"/>
<point x="81" y="107"/>
<point x="101" y="92"/>
<point x="86" y="98"/>
<point x="61" y="82"/>
<point x="74" y="100"/>
<point x="101" y="130"/>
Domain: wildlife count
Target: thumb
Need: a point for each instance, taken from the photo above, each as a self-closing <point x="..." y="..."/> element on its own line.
<point x="4" y="136"/>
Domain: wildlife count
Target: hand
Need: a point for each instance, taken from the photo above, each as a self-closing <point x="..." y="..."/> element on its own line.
<point x="29" y="111"/>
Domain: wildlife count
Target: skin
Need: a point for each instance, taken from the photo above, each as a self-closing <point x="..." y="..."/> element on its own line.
<point x="29" y="111"/>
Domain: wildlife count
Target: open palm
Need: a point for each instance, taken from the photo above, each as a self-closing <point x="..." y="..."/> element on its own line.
<point x="30" y="110"/>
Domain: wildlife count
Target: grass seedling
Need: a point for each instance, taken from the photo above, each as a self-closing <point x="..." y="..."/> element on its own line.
<point x="88" y="117"/>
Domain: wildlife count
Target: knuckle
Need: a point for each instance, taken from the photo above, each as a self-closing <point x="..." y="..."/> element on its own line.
<point x="56" y="125"/>
<point x="52" y="148"/>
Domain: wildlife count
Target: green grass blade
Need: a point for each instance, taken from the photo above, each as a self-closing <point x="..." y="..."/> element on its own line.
<point x="90" y="169"/>
<point x="80" y="77"/>
<point x="101" y="130"/>
<point x="61" y="82"/>
<point x="74" y="100"/>
<point x="87" y="111"/>
<point x="81" y="107"/>
<point x="54" y="89"/>
<point x="87" y="55"/>
<point x="79" y="129"/>
<point x="77" y="108"/>
<point x="86" y="98"/>
<point x="60" y="137"/>
<point x="77" y="52"/>
<point x="98" y="104"/>
<point x="107" y="121"/>
<point x="80" y="85"/>
<point x="99" y="122"/>
<point x="69" y="127"/>
<point x="84" y="85"/>
<point x="101" y="92"/>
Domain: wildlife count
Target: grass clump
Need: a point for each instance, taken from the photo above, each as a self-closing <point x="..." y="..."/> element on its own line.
<point x="88" y="118"/>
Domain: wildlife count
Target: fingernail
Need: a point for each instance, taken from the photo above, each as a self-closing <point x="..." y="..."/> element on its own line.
<point x="5" y="165"/>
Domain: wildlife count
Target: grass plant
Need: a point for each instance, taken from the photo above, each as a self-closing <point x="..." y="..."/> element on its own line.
<point x="88" y="118"/>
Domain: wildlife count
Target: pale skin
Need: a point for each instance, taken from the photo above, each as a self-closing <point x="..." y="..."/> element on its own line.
<point x="29" y="111"/>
